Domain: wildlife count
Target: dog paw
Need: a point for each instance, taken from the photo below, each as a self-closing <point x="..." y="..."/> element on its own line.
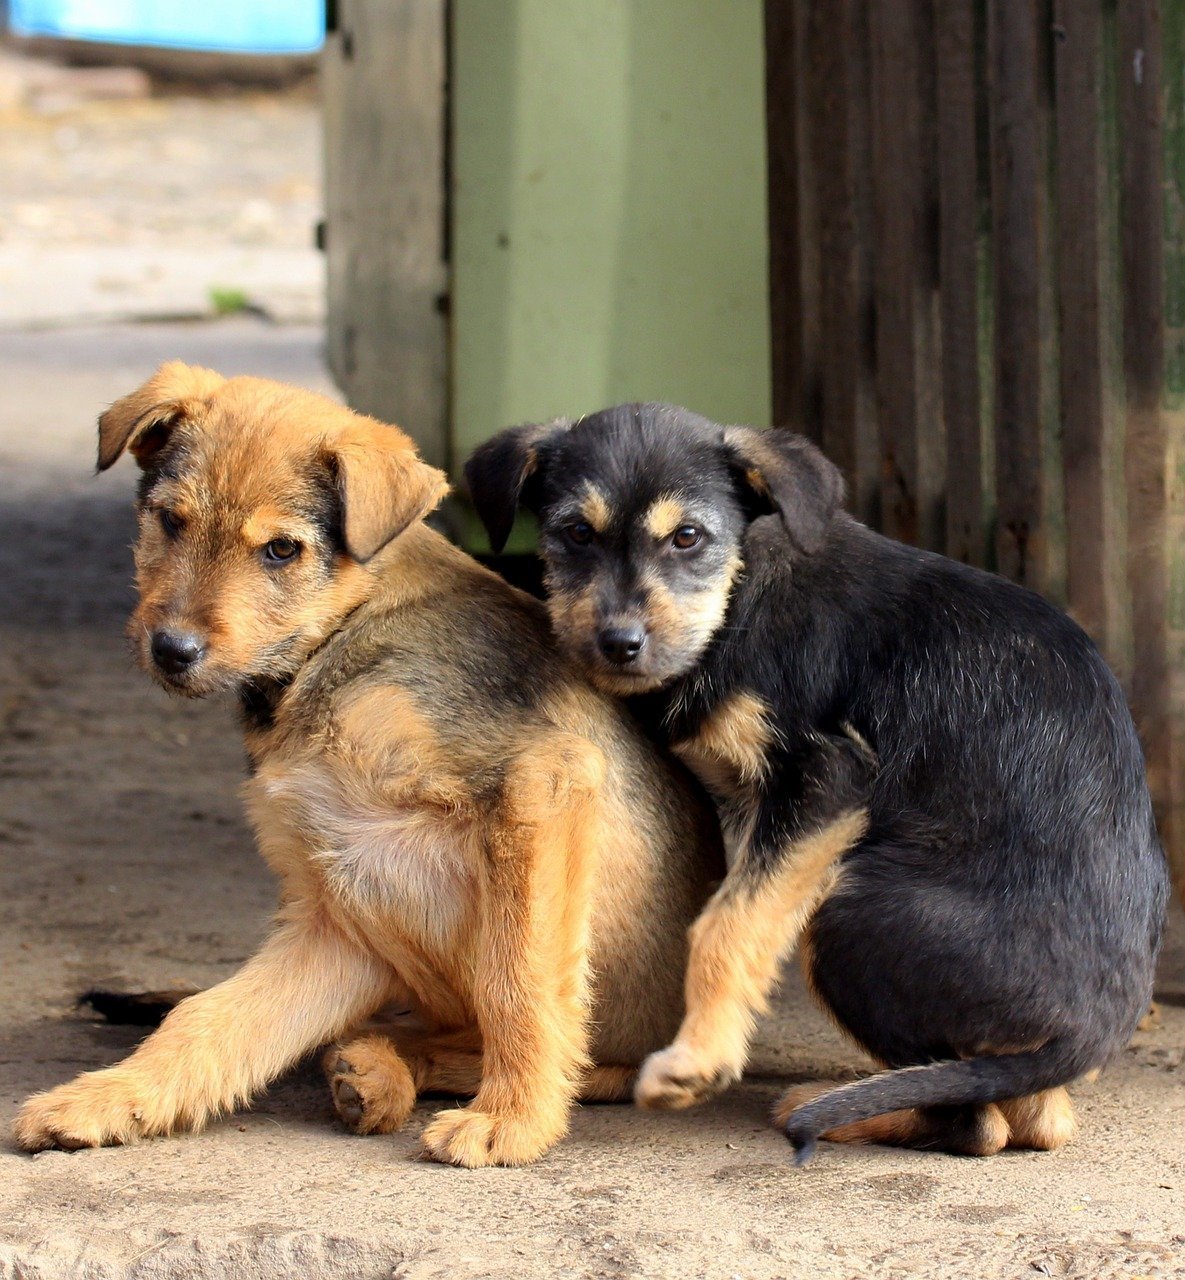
<point x="373" y="1090"/>
<point x="476" y="1139"/>
<point x="102" y="1108"/>
<point x="675" y="1078"/>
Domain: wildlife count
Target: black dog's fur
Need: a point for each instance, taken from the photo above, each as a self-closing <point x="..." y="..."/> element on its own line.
<point x="995" y="927"/>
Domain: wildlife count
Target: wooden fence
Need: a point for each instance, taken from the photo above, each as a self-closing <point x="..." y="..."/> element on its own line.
<point x="969" y="271"/>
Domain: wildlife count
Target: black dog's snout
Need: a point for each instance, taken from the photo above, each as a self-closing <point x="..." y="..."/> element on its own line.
<point x="176" y="651"/>
<point x="622" y="644"/>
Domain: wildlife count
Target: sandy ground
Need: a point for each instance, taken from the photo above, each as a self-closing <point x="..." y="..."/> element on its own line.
<point x="153" y="205"/>
<point x="124" y="862"/>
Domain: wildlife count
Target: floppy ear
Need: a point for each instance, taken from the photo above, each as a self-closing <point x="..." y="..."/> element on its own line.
<point x="143" y="420"/>
<point x="383" y="484"/>
<point x="499" y="472"/>
<point x="787" y="474"/>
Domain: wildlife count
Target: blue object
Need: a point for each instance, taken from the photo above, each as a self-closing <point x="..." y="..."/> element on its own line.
<point x="224" y="26"/>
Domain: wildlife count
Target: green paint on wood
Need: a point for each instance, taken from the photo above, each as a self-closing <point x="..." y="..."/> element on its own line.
<point x="1174" y="262"/>
<point x="1173" y="63"/>
<point x="1173" y="15"/>
<point x="609" y="220"/>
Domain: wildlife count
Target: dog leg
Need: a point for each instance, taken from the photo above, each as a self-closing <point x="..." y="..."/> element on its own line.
<point x="218" y="1047"/>
<point x="376" y="1078"/>
<point x="965" y="1131"/>
<point x="737" y="946"/>
<point x="894" y="1128"/>
<point x="1042" y="1121"/>
<point x="460" y="1072"/>
<point x="531" y="991"/>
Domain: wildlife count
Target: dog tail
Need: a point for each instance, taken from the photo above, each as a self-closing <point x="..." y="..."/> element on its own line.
<point x="957" y="1082"/>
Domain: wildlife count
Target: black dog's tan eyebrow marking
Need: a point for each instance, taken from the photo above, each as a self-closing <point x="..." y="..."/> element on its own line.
<point x="664" y="516"/>
<point x="595" y="509"/>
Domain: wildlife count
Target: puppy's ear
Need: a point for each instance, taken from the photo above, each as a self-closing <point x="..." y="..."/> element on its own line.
<point x="143" y="420"/>
<point x="499" y="475"/>
<point x="382" y="483"/>
<point x="784" y="472"/>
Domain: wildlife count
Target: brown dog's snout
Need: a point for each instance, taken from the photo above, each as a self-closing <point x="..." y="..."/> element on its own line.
<point x="622" y="644"/>
<point x="175" y="652"/>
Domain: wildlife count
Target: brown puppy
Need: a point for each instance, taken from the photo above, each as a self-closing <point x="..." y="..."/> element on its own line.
<point x="456" y="820"/>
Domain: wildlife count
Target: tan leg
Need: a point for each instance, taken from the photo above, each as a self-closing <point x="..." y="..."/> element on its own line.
<point x="217" y="1048"/>
<point x="737" y="947"/>
<point x="609" y="1084"/>
<point x="376" y="1078"/>
<point x="457" y="1071"/>
<point x="968" y="1131"/>
<point x="1042" y="1121"/>
<point x="531" y="991"/>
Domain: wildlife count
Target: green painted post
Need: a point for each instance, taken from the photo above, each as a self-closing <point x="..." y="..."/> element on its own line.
<point x="609" y="234"/>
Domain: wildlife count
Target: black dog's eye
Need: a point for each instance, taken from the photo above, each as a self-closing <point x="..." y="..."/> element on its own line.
<point x="687" y="537"/>
<point x="281" y="549"/>
<point x="170" y="523"/>
<point x="579" y="534"/>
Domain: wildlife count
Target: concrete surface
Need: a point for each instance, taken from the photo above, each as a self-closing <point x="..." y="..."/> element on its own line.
<point x="120" y="202"/>
<point x="124" y="862"/>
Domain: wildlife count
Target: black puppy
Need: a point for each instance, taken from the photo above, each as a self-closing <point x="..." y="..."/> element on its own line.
<point x="928" y="777"/>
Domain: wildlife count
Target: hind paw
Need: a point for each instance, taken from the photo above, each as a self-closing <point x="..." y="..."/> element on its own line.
<point x="373" y="1090"/>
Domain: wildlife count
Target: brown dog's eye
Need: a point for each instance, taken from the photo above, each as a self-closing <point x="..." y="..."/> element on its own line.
<point x="580" y="534"/>
<point x="170" y="523"/>
<point x="280" y="549"/>
<point x="686" y="537"/>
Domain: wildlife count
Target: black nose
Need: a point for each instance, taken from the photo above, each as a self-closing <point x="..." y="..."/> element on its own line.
<point x="622" y="644"/>
<point x="175" y="651"/>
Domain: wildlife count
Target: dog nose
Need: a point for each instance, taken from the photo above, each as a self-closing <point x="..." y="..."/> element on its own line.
<point x="622" y="644"/>
<point x="176" y="651"/>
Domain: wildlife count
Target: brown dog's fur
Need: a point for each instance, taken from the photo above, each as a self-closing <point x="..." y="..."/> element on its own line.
<point x="455" y="819"/>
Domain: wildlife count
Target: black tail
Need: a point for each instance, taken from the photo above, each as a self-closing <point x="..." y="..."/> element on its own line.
<point x="958" y="1082"/>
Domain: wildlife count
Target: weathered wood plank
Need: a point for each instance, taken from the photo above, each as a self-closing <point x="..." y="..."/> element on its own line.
<point x="1080" y="317"/>
<point x="1173" y="55"/>
<point x="954" y="37"/>
<point x="895" y="151"/>
<point x="931" y="427"/>
<point x="1142" y="173"/>
<point x="384" y="72"/>
<point x="1017" y="169"/>
<point x="866" y="488"/>
<point x="784" y="176"/>
<point x="829" y="88"/>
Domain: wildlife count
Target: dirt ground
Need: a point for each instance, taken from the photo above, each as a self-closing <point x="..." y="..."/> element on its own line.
<point x="120" y="203"/>
<point x="124" y="862"/>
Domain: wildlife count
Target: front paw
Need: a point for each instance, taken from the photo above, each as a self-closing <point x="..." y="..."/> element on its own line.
<point x="102" y="1108"/>
<point x="676" y="1077"/>
<point x="475" y="1139"/>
